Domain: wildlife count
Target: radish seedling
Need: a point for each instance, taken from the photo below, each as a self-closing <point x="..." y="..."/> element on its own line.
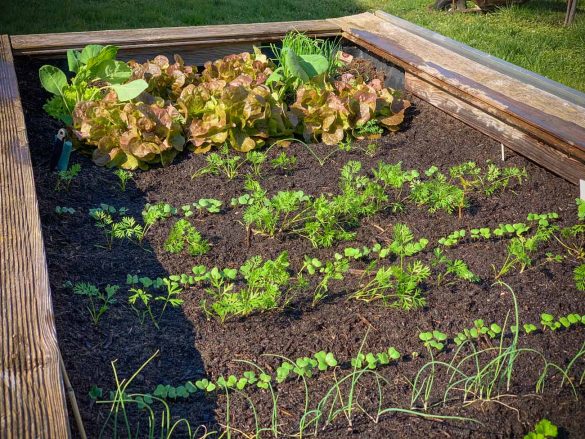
<point x="64" y="210"/>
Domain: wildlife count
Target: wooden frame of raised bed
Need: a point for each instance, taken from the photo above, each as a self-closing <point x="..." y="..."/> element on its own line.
<point x="527" y="113"/>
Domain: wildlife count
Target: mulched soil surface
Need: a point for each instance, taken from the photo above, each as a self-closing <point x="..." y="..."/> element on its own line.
<point x="191" y="346"/>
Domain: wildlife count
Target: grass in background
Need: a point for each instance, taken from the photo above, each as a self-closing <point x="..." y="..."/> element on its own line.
<point x="531" y="35"/>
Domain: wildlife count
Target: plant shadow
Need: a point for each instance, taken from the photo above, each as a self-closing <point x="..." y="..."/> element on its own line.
<point x="76" y="252"/>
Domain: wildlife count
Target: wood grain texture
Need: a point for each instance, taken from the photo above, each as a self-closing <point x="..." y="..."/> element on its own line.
<point x="128" y="39"/>
<point x="511" y="137"/>
<point x="32" y="403"/>
<point x="539" y="114"/>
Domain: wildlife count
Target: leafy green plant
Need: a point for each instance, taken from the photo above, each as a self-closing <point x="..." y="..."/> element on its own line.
<point x="326" y="112"/>
<point x="395" y="285"/>
<point x="300" y="59"/>
<point x="129" y="135"/>
<point x="153" y="213"/>
<point x="210" y="205"/>
<point x="370" y="129"/>
<point x="374" y="360"/>
<point x="263" y="282"/>
<point x="165" y="80"/>
<point x="334" y="269"/>
<point x="437" y="193"/>
<point x="233" y="106"/>
<point x="99" y="301"/>
<point x="183" y="232"/>
<point x="543" y="429"/>
<point x="472" y="177"/>
<point x="221" y="163"/>
<point x="456" y="267"/>
<point x="393" y="177"/>
<point x="274" y="215"/>
<point x="146" y="292"/>
<point x="125" y="228"/>
<point x="478" y="331"/>
<point x="64" y="178"/>
<point x="453" y="238"/>
<point x="284" y="161"/>
<point x="572" y="238"/>
<point x="433" y="340"/>
<point x="256" y="160"/>
<point x="579" y="277"/>
<point x="522" y="248"/>
<point x="124" y="177"/>
<point x="93" y="67"/>
<point x="60" y="210"/>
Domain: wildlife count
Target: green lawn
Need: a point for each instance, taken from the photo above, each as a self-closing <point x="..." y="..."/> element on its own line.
<point x="530" y="36"/>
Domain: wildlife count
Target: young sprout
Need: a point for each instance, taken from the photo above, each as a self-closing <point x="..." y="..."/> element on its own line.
<point x="64" y="178"/>
<point x="256" y="159"/>
<point x="64" y="210"/>
<point x="284" y="161"/>
<point x="124" y="177"/>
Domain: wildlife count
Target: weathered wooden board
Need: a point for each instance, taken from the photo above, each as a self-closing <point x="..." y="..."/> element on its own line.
<point x="32" y="403"/>
<point x="518" y="141"/>
<point x="541" y="115"/>
<point x="191" y="36"/>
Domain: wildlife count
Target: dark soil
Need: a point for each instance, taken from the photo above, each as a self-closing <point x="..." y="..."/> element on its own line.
<point x="192" y="346"/>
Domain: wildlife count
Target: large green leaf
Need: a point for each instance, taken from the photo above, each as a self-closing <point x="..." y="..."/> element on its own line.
<point x="314" y="65"/>
<point x="90" y="51"/>
<point x="114" y="72"/>
<point x="73" y="60"/>
<point x="52" y="79"/>
<point x="295" y="65"/>
<point x="130" y="90"/>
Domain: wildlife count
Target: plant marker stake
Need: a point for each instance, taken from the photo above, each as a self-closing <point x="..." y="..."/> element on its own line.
<point x="582" y="189"/>
<point x="65" y="153"/>
<point x="503" y="152"/>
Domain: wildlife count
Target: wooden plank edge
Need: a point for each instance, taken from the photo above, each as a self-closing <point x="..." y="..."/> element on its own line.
<point x="518" y="141"/>
<point x="533" y="130"/>
<point x="158" y="37"/>
<point x="32" y="398"/>
<point x="514" y="71"/>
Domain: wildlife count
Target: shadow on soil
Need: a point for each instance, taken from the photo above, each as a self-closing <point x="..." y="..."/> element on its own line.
<point x="75" y="253"/>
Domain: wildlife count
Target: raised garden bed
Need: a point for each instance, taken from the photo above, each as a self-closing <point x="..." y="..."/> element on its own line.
<point x="194" y="345"/>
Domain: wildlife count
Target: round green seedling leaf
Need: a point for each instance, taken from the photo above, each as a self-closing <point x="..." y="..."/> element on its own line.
<point x="393" y="353"/>
<point x="52" y="79"/>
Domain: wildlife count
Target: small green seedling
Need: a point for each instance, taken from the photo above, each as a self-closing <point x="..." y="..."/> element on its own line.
<point x="221" y="163"/>
<point x="95" y="392"/>
<point x="483" y="232"/>
<point x="125" y="228"/>
<point x="435" y="340"/>
<point x="479" y="329"/>
<point x="64" y="210"/>
<point x="256" y="160"/>
<point x="64" y="178"/>
<point x="544" y="429"/>
<point x="183" y="232"/>
<point x="548" y="321"/>
<point x="453" y="238"/>
<point x="123" y="178"/>
<point x="284" y="161"/>
<point x="373" y="360"/>
<point x="99" y="301"/>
